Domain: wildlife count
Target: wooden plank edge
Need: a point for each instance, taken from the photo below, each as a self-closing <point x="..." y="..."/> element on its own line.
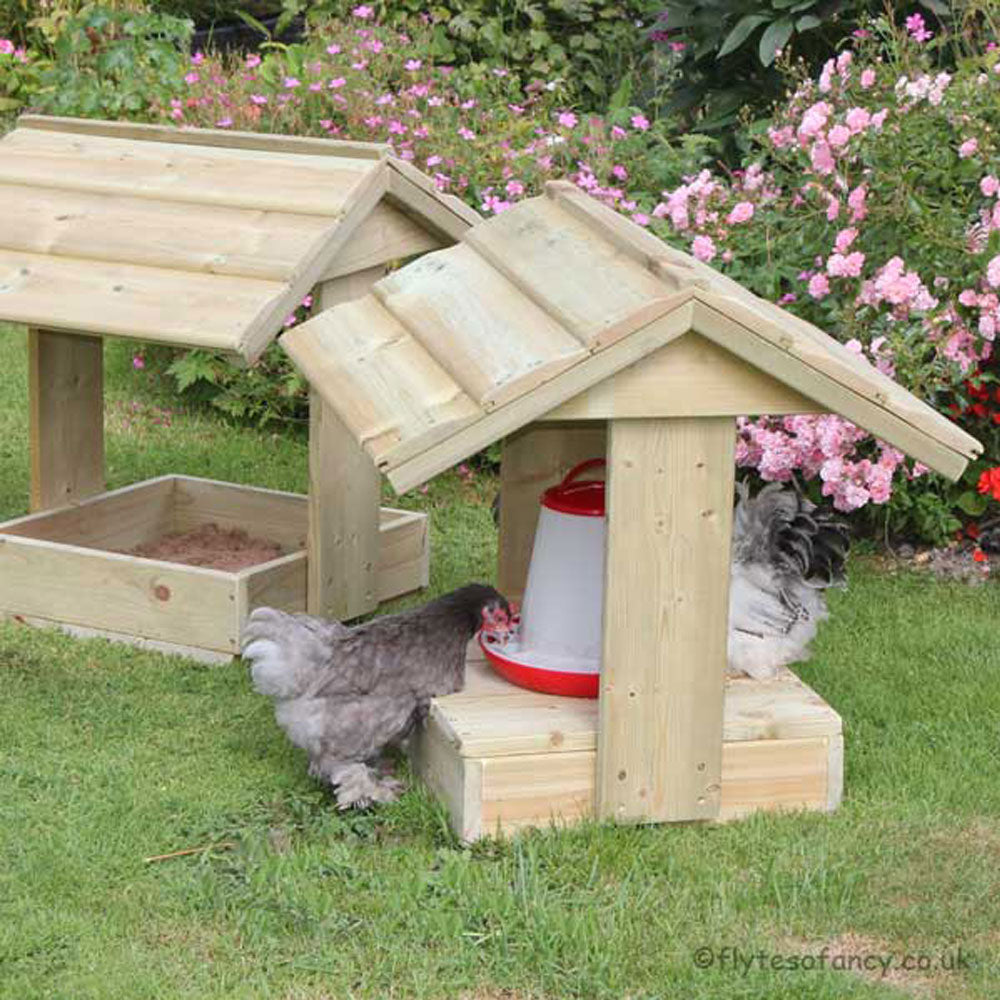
<point x="444" y="215"/>
<point x="264" y="141"/>
<point x="410" y="465"/>
<point x="360" y="201"/>
<point x="818" y="385"/>
<point x="210" y="657"/>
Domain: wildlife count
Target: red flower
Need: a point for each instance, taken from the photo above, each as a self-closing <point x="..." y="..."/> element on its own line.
<point x="979" y="409"/>
<point x="979" y="555"/>
<point x="989" y="482"/>
<point x="972" y="530"/>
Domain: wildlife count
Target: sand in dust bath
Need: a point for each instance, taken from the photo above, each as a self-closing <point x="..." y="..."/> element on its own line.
<point x="210" y="546"/>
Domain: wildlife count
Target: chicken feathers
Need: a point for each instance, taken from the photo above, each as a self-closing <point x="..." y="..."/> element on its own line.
<point x="345" y="694"/>
<point x="785" y="552"/>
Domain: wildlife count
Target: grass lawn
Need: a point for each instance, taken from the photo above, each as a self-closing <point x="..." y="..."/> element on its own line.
<point x="109" y="755"/>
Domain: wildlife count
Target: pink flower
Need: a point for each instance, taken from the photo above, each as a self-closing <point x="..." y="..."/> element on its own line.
<point x="844" y="239"/>
<point x="989" y="185"/>
<point x="6" y="47"/>
<point x="333" y="50"/>
<point x="814" y="119"/>
<point x="567" y="119"/>
<point x="857" y="120"/>
<point x="839" y="136"/>
<point x="291" y="83"/>
<point x="917" y="29"/>
<point x="640" y="218"/>
<point x="467" y="133"/>
<point x="741" y="212"/>
<point x="191" y="77"/>
<point x="832" y="209"/>
<point x="224" y="123"/>
<point x="514" y="188"/>
<point x="412" y="65"/>
<point x="839" y="266"/>
<point x="703" y="248"/>
<point x="138" y="362"/>
<point x="867" y="79"/>
<point x="258" y="99"/>
<point x="640" y="122"/>
<point x="856" y="203"/>
<point x="336" y="83"/>
<point x="819" y="286"/>
<point x="993" y="272"/>
<point x="878" y="119"/>
<point x="363" y="12"/>
<point x="822" y="158"/>
<point x="968" y="148"/>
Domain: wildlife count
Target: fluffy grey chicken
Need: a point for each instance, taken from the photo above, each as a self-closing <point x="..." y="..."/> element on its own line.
<point x="345" y="694"/>
<point x="786" y="551"/>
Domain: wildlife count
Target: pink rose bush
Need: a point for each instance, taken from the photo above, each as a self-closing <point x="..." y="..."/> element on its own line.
<point x="871" y="207"/>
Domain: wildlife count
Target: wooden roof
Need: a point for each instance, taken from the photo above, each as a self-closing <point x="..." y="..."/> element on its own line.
<point x="196" y="237"/>
<point x="538" y="308"/>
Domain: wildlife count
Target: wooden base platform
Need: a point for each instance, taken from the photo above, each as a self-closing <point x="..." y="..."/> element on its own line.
<point x="502" y="758"/>
<point x="65" y="567"/>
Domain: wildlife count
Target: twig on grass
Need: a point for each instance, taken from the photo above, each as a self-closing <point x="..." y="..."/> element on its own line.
<point x="223" y="845"/>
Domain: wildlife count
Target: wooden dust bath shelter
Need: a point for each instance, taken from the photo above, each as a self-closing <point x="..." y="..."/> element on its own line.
<point x="194" y="238"/>
<point x="569" y="332"/>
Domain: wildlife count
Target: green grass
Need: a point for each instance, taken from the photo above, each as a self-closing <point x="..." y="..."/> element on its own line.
<point x="109" y="755"/>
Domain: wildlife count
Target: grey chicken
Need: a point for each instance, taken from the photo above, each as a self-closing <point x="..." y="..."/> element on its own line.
<point x="345" y="694"/>
<point x="786" y="551"/>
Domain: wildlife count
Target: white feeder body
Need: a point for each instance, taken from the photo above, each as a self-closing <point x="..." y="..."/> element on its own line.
<point x="564" y="596"/>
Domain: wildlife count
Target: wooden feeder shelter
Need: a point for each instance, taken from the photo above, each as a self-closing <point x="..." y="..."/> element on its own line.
<point x="569" y="332"/>
<point x="193" y="238"/>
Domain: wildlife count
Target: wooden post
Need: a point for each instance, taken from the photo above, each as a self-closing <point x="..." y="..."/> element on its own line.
<point x="534" y="458"/>
<point x="670" y="501"/>
<point x="66" y="403"/>
<point x="344" y="495"/>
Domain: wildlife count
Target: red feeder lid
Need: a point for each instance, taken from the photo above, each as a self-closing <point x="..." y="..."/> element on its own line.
<point x="584" y="498"/>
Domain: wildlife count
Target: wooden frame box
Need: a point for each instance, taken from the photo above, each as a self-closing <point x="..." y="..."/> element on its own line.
<point x="501" y="758"/>
<point x="66" y="567"/>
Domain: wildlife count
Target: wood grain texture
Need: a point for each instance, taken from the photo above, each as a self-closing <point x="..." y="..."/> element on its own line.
<point x="174" y="307"/>
<point x="386" y="235"/>
<point x="411" y="465"/>
<point x="545" y="250"/>
<point x="533" y="459"/>
<point x="206" y="137"/>
<point x="379" y="379"/>
<point x="496" y="344"/>
<point x="690" y="377"/>
<point x="344" y="491"/>
<point x="492" y="718"/>
<point x="153" y="233"/>
<point x="670" y="496"/>
<point x="503" y="759"/>
<point x="195" y="175"/>
<point x="66" y="417"/>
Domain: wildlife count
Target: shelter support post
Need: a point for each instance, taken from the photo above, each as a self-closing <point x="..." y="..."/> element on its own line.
<point x="344" y="495"/>
<point x="670" y="503"/>
<point x="66" y="403"/>
<point x="534" y="458"/>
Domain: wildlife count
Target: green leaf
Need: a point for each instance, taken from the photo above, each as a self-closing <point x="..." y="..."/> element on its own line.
<point x="973" y="504"/>
<point x="807" y="22"/>
<point x="774" y="38"/>
<point x="739" y="34"/>
<point x="253" y="23"/>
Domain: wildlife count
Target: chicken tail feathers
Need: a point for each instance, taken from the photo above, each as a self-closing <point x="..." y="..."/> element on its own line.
<point x="287" y="653"/>
<point x="783" y="528"/>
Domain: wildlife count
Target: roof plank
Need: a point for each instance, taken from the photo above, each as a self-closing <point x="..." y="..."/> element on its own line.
<point x="103" y="297"/>
<point x="496" y="343"/>
<point x="379" y="379"/>
<point x="233" y="139"/>
<point x="154" y="233"/>
<point x="198" y="175"/>
<point x="543" y="249"/>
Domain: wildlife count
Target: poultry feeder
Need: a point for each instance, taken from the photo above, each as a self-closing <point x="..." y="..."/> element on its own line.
<point x="557" y="647"/>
